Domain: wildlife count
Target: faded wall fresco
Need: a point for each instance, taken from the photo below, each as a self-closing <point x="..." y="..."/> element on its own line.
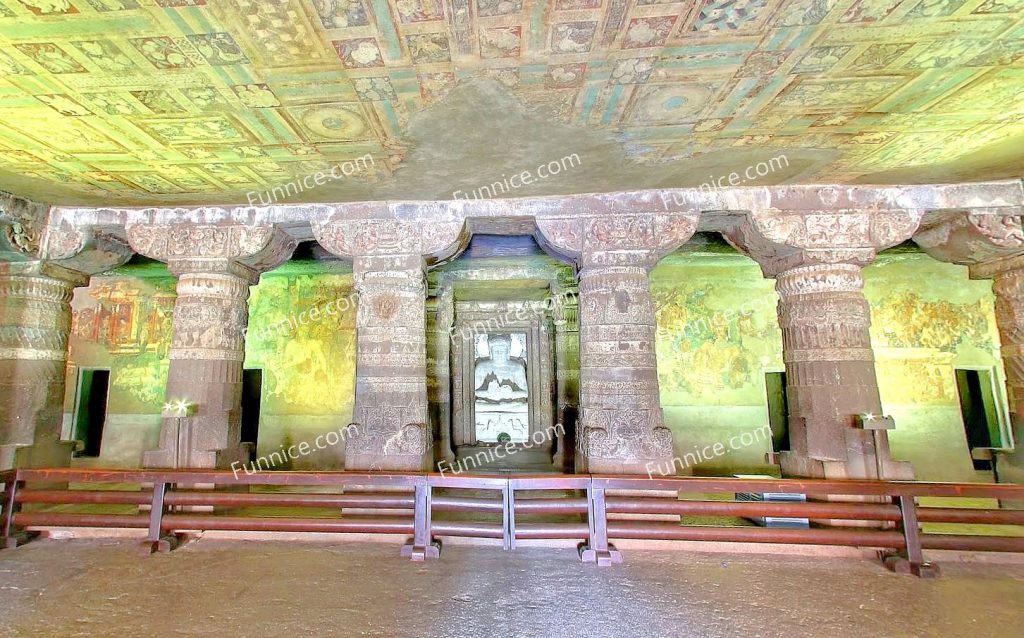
<point x="302" y="334"/>
<point x="927" y="319"/>
<point x="123" y="322"/>
<point x="717" y="336"/>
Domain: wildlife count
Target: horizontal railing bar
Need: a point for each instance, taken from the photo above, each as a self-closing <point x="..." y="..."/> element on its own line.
<point x="367" y="525"/>
<point x="568" y="505"/>
<point x="825" y="536"/>
<point x="970" y="515"/>
<point x="448" y="503"/>
<point x="75" y="497"/>
<point x="475" y="529"/>
<point x="552" y="530"/>
<point x="62" y="519"/>
<point x="563" y="482"/>
<point x="814" y="487"/>
<point x="979" y="543"/>
<point x="398" y="500"/>
<point x="798" y="509"/>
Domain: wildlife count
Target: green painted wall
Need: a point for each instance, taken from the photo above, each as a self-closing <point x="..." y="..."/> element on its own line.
<point x="928" y="318"/>
<point x="717" y="336"/>
<point x="123" y="322"/>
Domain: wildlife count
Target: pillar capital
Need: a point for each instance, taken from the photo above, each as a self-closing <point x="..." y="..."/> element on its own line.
<point x="783" y="239"/>
<point x="613" y="240"/>
<point x="987" y="240"/>
<point x="239" y="250"/>
<point x="374" y="240"/>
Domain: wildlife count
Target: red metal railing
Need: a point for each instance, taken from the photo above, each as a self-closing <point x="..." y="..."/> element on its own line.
<point x="591" y="509"/>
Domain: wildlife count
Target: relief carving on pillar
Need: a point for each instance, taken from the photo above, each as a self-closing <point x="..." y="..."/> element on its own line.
<point x="780" y="240"/>
<point x="381" y="237"/>
<point x="195" y="247"/>
<point x="623" y="239"/>
<point x="975" y="238"/>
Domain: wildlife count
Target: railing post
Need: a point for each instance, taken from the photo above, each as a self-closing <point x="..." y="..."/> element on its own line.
<point x="597" y="549"/>
<point x="508" y="513"/>
<point x="911" y="558"/>
<point x="155" y="540"/>
<point x="8" y="539"/>
<point x="422" y="545"/>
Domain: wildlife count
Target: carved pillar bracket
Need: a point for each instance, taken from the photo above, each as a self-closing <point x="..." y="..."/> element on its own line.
<point x="991" y="244"/>
<point x="621" y="426"/>
<point x="389" y="261"/>
<point x="41" y="267"/>
<point x="215" y="264"/>
<point x="816" y="259"/>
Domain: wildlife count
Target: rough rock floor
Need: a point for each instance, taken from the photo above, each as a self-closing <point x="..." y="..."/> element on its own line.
<point x="221" y="588"/>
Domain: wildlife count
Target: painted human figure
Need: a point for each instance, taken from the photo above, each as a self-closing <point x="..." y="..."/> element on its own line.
<point x="499" y="377"/>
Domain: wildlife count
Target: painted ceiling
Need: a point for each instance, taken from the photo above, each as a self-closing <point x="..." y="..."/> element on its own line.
<point x="208" y="101"/>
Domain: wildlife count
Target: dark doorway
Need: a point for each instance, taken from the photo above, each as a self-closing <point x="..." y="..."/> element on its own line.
<point x="978" y="408"/>
<point x="91" y="411"/>
<point x="252" y="393"/>
<point x="778" y="409"/>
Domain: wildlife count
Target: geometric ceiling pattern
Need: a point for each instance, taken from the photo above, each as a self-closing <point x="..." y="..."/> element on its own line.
<point x="137" y="101"/>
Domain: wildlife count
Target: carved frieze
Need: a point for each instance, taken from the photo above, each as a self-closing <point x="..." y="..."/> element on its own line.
<point x="780" y="240"/>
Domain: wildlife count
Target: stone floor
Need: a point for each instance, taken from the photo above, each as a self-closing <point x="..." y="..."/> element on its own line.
<point x="222" y="588"/>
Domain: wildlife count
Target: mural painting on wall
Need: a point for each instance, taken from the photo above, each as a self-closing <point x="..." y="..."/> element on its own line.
<point x="308" y="359"/>
<point x="712" y="340"/>
<point x="125" y="324"/>
<point x="501" y="390"/>
<point x="920" y="332"/>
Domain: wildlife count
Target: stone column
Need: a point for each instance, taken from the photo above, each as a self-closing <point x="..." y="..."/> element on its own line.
<point x="389" y="262"/>
<point x="1008" y="286"/>
<point x="835" y="414"/>
<point x="991" y="243"/>
<point x="35" y="322"/>
<point x="567" y="371"/>
<point x="443" y="322"/>
<point x="391" y="366"/>
<point x="41" y="263"/>
<point x="621" y="426"/>
<point x="830" y="373"/>
<point x="215" y="264"/>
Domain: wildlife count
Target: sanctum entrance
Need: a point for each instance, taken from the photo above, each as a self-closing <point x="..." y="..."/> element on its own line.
<point x="502" y="371"/>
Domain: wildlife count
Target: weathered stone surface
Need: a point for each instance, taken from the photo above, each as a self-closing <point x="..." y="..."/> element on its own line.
<point x="991" y="243"/>
<point x="816" y="259"/>
<point x="390" y="258"/>
<point x="621" y="425"/>
<point x="35" y="322"/>
<point x="215" y="264"/>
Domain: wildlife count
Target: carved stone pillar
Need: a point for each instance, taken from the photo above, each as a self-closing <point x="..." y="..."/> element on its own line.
<point x="390" y="259"/>
<point x="567" y="371"/>
<point x="621" y="427"/>
<point x="830" y="373"/>
<point x="48" y="262"/>
<point x="35" y="322"/>
<point x="215" y="264"/>
<point x="816" y="256"/>
<point x="443" y="321"/>
<point x="1008" y="287"/>
<point x="991" y="243"/>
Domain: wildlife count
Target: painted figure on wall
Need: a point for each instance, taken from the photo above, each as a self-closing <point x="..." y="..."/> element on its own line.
<point x="501" y="390"/>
